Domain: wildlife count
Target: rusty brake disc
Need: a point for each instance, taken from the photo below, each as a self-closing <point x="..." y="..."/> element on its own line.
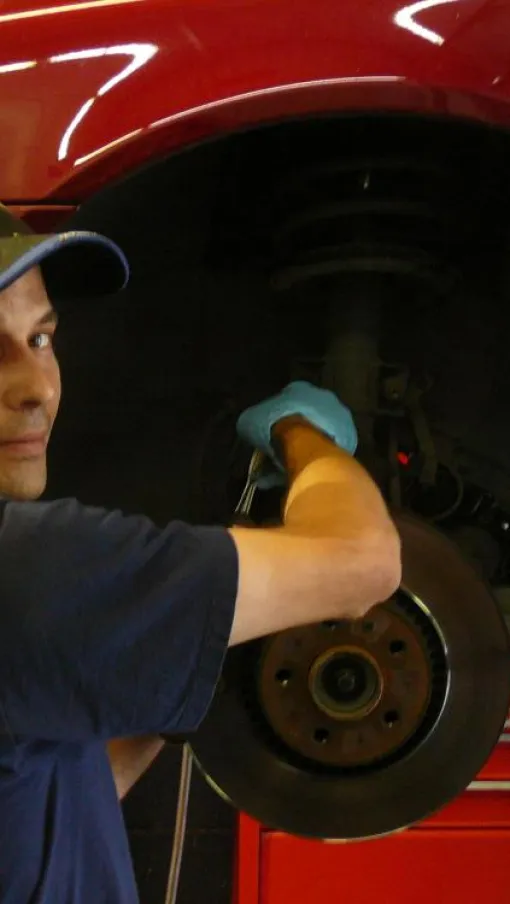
<point x="358" y="729"/>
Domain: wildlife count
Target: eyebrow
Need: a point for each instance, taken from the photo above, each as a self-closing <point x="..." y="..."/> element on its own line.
<point x="49" y="317"/>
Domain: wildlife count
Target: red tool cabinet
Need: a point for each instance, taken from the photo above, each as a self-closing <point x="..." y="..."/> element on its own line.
<point x="456" y="857"/>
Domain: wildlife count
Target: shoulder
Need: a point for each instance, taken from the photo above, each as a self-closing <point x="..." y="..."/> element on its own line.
<point x="66" y="521"/>
<point x="58" y="538"/>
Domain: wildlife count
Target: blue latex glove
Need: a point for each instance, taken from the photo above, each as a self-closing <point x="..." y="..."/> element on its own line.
<point x="319" y="407"/>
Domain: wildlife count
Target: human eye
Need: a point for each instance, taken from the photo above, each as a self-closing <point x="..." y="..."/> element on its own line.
<point x="41" y="341"/>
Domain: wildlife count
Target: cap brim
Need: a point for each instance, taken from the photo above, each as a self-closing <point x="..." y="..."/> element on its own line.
<point x="75" y="265"/>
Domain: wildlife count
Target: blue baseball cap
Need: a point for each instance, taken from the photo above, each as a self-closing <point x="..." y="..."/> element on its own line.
<point x="74" y="264"/>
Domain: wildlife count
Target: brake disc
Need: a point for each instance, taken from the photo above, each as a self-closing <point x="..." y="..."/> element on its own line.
<point x="348" y="730"/>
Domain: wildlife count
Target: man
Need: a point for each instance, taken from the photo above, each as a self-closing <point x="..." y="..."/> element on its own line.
<point x="112" y="631"/>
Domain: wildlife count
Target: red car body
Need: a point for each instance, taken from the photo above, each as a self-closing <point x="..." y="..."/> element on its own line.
<point x="93" y="90"/>
<point x="90" y="90"/>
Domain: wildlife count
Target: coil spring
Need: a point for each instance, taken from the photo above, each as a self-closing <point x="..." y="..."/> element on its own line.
<point x="390" y="217"/>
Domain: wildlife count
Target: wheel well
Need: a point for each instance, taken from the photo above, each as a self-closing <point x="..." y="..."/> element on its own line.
<point x="201" y="328"/>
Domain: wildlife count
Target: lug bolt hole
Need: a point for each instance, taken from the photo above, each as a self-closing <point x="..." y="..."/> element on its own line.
<point x="283" y="676"/>
<point x="391" y="717"/>
<point x="321" y="735"/>
<point x="397" y="647"/>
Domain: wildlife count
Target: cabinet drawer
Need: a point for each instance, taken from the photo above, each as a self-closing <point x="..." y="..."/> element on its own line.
<point x="477" y="808"/>
<point x="455" y="856"/>
<point x="497" y="766"/>
<point x="459" y="867"/>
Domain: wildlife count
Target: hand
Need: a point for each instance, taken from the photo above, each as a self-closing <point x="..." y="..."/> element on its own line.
<point x="319" y="407"/>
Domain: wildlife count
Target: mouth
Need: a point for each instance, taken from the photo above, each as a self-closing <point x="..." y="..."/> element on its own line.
<point x="28" y="445"/>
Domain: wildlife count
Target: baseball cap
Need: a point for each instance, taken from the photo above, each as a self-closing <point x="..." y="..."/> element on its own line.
<point x="74" y="264"/>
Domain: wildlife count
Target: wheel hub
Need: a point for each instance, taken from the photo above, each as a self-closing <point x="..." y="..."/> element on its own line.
<point x="345" y="683"/>
<point x="350" y="694"/>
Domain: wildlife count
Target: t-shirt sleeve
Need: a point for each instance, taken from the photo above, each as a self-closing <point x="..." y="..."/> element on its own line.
<point x="109" y="626"/>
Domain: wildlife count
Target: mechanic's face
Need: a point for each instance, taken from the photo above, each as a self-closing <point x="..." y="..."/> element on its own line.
<point x="29" y="386"/>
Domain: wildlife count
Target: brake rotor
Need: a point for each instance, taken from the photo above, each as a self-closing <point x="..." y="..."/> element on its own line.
<point x="347" y="694"/>
<point x="349" y="730"/>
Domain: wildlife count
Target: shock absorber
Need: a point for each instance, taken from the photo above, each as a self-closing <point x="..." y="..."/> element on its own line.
<point x="355" y="237"/>
<point x="351" y="361"/>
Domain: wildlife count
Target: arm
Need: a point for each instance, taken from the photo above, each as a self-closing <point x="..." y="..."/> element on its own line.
<point x="130" y="758"/>
<point x="113" y="628"/>
<point x="337" y="553"/>
<point x="334" y="513"/>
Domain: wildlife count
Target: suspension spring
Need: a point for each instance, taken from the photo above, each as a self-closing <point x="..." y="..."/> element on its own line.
<point x="352" y="237"/>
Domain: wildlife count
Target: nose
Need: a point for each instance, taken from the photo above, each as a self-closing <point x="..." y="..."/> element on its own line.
<point x="28" y="384"/>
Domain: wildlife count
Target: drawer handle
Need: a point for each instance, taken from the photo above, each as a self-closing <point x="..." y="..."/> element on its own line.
<point x="489" y="786"/>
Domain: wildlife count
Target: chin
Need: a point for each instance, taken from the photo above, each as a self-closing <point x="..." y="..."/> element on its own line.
<point x="24" y="483"/>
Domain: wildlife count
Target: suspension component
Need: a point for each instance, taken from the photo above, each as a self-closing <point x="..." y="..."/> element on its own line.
<point x="351" y="367"/>
<point x="354" y="237"/>
<point x="383" y="216"/>
<point x="351" y="694"/>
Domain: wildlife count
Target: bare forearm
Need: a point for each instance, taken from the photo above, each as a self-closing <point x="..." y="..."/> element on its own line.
<point x="130" y="758"/>
<point x="333" y="498"/>
<point x="336" y="555"/>
<point x="330" y="493"/>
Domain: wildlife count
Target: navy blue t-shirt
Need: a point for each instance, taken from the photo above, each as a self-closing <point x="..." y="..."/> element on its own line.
<point x="109" y="628"/>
